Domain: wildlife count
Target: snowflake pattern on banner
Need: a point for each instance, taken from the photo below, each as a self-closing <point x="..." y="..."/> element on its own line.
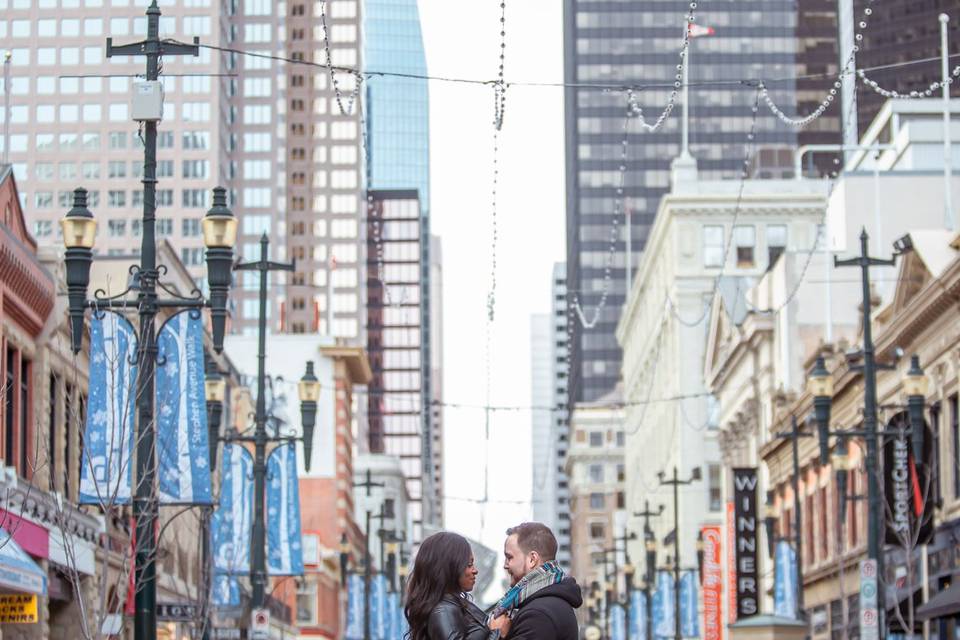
<point x="105" y="470"/>
<point x="284" y="549"/>
<point x="182" y="437"/>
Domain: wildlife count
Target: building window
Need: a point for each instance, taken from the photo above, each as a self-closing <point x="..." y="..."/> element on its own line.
<point x="596" y="439"/>
<point x="621" y="473"/>
<point x="117" y="228"/>
<point x="596" y="501"/>
<point x="597" y="530"/>
<point x="190" y="227"/>
<point x="191" y="256"/>
<point x="745" y="239"/>
<point x="621" y="500"/>
<point x="17" y="408"/>
<point x="713" y="246"/>
<point x="621" y="439"/>
<point x="307" y="604"/>
<point x="776" y="242"/>
<point x="715" y="487"/>
<point x="596" y="473"/>
<point x="116" y="198"/>
<point x="955" y="433"/>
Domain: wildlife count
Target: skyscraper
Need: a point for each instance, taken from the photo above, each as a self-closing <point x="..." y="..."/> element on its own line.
<point x="232" y="119"/>
<point x="399" y="407"/>
<point x="398" y="168"/>
<point x="324" y="178"/>
<point x="638" y="44"/>
<point x="548" y="386"/>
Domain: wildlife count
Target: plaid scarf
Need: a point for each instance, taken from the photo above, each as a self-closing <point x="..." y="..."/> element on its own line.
<point x="543" y="576"/>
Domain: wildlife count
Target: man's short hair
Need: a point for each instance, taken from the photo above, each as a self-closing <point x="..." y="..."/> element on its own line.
<point x="534" y="536"/>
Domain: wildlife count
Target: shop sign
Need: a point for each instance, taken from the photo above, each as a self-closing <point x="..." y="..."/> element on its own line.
<point x="177" y="612"/>
<point x="18" y="609"/>
<point x="712" y="582"/>
<point x="746" y="539"/>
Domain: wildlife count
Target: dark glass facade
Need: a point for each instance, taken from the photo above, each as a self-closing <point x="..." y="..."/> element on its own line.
<point x="900" y="31"/>
<point x="618" y="42"/>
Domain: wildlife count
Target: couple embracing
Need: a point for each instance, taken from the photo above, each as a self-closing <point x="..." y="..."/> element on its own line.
<point x="538" y="606"/>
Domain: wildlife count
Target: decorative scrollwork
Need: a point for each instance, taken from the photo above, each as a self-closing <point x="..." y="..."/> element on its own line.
<point x="195" y="294"/>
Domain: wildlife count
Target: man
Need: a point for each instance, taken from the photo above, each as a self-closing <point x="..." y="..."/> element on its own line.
<point x="541" y="599"/>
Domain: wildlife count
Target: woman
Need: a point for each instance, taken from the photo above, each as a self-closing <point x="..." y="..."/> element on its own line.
<point x="437" y="605"/>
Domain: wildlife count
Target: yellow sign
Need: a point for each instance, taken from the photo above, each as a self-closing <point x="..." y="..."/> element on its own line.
<point x="18" y="609"/>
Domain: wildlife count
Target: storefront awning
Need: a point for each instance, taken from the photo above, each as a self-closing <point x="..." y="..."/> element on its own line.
<point x="946" y="603"/>
<point x="18" y="572"/>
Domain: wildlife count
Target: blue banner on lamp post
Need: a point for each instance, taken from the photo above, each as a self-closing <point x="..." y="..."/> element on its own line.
<point x="785" y="581"/>
<point x="689" y="606"/>
<point x="354" y="626"/>
<point x="284" y="541"/>
<point x="618" y="622"/>
<point x="183" y="451"/>
<point x="638" y="616"/>
<point x="663" y="606"/>
<point x="232" y="521"/>
<point x="105" y="466"/>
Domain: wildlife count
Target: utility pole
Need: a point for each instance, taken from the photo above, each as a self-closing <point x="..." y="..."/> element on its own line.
<point x="367" y="484"/>
<point x="258" y="553"/>
<point x="650" y="544"/>
<point x="145" y="502"/>
<point x="874" y="508"/>
<point x="627" y="572"/>
<point x="820" y="387"/>
<point x="794" y="436"/>
<point x="675" y="482"/>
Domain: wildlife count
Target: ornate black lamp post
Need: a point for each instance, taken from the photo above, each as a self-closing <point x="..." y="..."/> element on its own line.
<point x="675" y="482"/>
<point x="820" y="386"/>
<point x="79" y="232"/>
<point x="308" y="391"/>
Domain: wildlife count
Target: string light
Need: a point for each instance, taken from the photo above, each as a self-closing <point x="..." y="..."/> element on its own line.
<point x="357" y="76"/>
<point x="926" y="93"/>
<point x="748" y="149"/>
<point x="614" y="228"/>
<point x="677" y="84"/>
<point x="500" y="87"/>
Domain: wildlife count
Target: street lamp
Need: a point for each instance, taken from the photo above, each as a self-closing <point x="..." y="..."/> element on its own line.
<point x="820" y="386"/>
<point x="915" y="386"/>
<point x="309" y="391"/>
<point x="675" y="482"/>
<point x="344" y="559"/>
<point x="215" y="390"/>
<point x="219" y="237"/>
<point x="79" y="233"/>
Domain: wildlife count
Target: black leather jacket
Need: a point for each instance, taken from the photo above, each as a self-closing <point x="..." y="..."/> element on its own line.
<point x="456" y="618"/>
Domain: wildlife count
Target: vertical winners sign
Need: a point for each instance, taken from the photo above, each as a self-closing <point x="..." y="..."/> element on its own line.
<point x="745" y="540"/>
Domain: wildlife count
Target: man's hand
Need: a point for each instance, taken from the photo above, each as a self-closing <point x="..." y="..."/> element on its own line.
<point x="501" y="624"/>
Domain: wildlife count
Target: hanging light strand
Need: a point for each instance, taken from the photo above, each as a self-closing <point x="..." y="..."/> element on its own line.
<point x="332" y="71"/>
<point x="618" y="210"/>
<point x="500" y="86"/>
<point x="677" y="83"/>
<point x="748" y="149"/>
<point x="850" y="66"/>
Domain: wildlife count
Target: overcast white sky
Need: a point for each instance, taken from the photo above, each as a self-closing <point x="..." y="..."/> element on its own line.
<point x="462" y="40"/>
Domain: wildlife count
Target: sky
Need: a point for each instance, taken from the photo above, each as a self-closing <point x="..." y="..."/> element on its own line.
<point x="462" y="40"/>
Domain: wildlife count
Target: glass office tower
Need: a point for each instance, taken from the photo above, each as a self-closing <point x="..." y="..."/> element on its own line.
<point x="638" y="43"/>
<point x="398" y="157"/>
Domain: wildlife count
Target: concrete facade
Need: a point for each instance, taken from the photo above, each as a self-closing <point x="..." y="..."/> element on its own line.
<point x="597" y="473"/>
<point x="704" y="233"/>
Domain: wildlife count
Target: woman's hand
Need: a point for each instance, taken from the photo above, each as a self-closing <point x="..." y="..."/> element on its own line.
<point x="501" y="624"/>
